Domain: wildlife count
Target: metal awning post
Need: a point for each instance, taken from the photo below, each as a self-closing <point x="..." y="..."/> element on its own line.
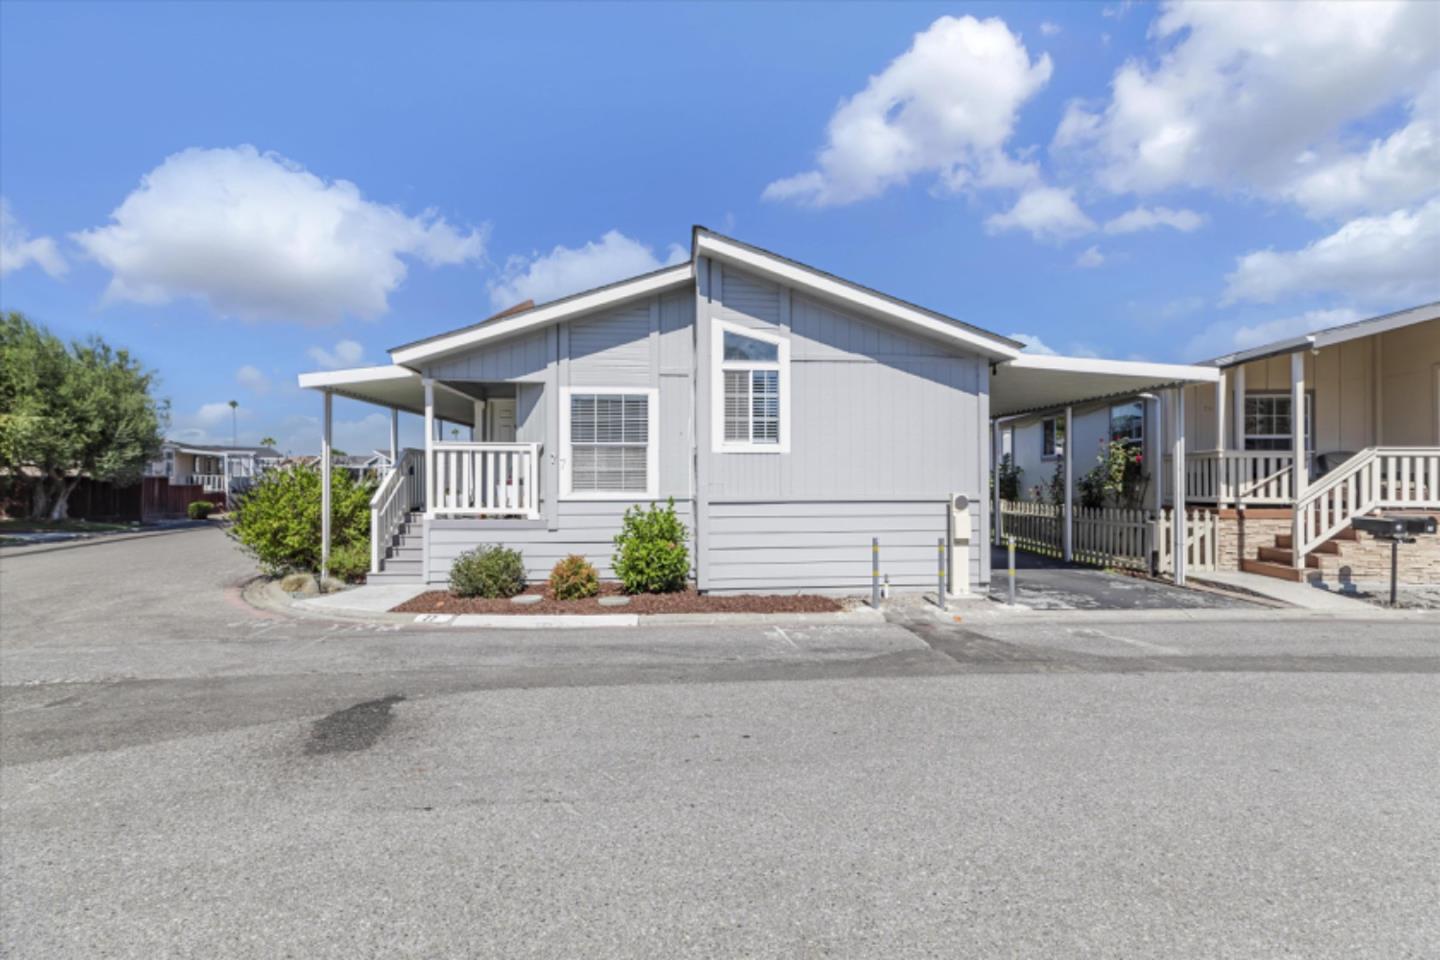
<point x="394" y="437"/>
<point x="1178" y="512"/>
<point x="325" y="467"/>
<point x="1068" y="534"/>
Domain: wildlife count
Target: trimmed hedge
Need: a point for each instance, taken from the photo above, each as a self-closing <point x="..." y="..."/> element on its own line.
<point x="650" y="552"/>
<point x="574" y="579"/>
<point x="493" y="572"/>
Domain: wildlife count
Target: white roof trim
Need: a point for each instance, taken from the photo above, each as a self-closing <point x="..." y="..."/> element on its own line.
<point x="847" y="293"/>
<point x="322" y="379"/>
<point x="1332" y="335"/>
<point x="1159" y="372"/>
<point x="542" y="315"/>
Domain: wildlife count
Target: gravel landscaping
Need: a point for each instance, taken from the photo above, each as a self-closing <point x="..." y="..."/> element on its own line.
<point x="685" y="601"/>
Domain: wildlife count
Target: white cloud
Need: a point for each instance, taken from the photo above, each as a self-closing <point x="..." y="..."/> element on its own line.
<point x="563" y="271"/>
<point x="946" y="106"/>
<point x="258" y="236"/>
<point x="1220" y="339"/>
<point x="1049" y="27"/>
<point x="1148" y="218"/>
<point x="1244" y="96"/>
<point x="253" y="379"/>
<point x="18" y="249"/>
<point x="1046" y="213"/>
<point x="1090" y="258"/>
<point x="345" y="353"/>
<point x="1383" y="258"/>
<point x="1033" y="345"/>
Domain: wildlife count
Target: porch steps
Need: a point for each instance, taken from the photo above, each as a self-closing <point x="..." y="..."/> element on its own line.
<point x="1277" y="570"/>
<point x="1277" y="561"/>
<point x="404" y="560"/>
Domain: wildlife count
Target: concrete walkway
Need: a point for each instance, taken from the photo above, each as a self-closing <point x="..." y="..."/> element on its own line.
<point x="1301" y="595"/>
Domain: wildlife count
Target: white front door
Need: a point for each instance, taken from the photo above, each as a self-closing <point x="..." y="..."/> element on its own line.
<point x="502" y="420"/>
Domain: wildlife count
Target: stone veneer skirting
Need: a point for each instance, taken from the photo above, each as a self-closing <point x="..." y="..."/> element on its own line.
<point x="1243" y="532"/>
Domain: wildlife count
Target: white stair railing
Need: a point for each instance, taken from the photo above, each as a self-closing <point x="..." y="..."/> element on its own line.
<point x="401" y="490"/>
<point x="486" y="480"/>
<point x="1373" y="478"/>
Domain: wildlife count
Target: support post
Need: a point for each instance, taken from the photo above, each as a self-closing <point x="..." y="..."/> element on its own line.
<point x="1068" y="533"/>
<point x="1010" y="546"/>
<point x="1178" y="500"/>
<point x="940" y="573"/>
<point x="1157" y="475"/>
<point x="875" y="573"/>
<point x="997" y="457"/>
<point x="430" y="423"/>
<point x="1301" y="471"/>
<point x="1220" y="417"/>
<point x="477" y="431"/>
<point x="325" y="468"/>
<point x="394" y="437"/>
<point x="1237" y="395"/>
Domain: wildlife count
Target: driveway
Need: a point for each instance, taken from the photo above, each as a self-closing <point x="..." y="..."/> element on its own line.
<point x="183" y="777"/>
<point x="1043" y="583"/>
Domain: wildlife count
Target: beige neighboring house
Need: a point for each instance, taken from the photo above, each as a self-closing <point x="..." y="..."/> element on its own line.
<point x="1298" y="438"/>
<point x="218" y="469"/>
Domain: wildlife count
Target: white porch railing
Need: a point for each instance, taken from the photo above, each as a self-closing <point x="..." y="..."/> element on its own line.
<point x="401" y="490"/>
<point x="211" y="482"/>
<point x="1229" y="477"/>
<point x="1376" y="477"/>
<point x="485" y="480"/>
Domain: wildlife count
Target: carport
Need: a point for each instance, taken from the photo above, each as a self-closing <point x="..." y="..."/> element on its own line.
<point x="1030" y="385"/>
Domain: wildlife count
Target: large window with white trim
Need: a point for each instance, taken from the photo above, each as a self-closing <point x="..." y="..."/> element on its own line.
<point x="750" y="385"/>
<point x="1268" y="423"/>
<point x="1127" y="423"/>
<point x="610" y="448"/>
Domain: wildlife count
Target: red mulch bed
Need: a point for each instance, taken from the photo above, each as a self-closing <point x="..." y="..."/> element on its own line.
<point x="685" y="601"/>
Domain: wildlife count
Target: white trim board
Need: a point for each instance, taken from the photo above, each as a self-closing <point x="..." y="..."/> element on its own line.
<point x="652" y="445"/>
<point x="718" y="443"/>
<point x="441" y="346"/>
<point x="836" y="290"/>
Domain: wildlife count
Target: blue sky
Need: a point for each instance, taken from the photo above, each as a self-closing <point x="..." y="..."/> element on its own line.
<point x="241" y="192"/>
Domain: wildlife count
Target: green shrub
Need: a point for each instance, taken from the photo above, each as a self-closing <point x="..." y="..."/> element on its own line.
<point x="574" y="579"/>
<point x="489" y="572"/>
<point x="350" y="562"/>
<point x="277" y="520"/>
<point x="1009" y="478"/>
<point x="650" y="553"/>
<point x="199" y="509"/>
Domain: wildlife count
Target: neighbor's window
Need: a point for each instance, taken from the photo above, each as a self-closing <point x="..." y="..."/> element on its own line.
<point x="610" y="443"/>
<point x="1052" y="431"/>
<point x="751" y="382"/>
<point x="1127" y="423"/>
<point x="1268" y="422"/>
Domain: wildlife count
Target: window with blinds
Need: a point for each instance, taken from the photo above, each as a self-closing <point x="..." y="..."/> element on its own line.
<point x="609" y="442"/>
<point x="750" y="370"/>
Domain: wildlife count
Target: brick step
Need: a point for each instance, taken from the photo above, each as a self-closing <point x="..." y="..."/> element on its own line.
<point x="1276" y="570"/>
<point x="1286" y="556"/>
<point x="1329" y="546"/>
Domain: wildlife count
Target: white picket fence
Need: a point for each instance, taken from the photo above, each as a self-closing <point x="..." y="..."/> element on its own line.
<point x="1109" y="536"/>
<point x="1202" y="540"/>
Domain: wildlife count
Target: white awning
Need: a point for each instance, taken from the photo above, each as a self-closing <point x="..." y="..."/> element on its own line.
<point x="1032" y="384"/>
<point x="391" y="386"/>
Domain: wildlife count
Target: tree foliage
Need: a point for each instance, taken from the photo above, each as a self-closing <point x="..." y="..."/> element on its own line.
<point x="70" y="411"/>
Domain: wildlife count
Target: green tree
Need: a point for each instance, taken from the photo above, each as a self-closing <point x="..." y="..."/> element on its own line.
<point x="71" y="412"/>
<point x="277" y="521"/>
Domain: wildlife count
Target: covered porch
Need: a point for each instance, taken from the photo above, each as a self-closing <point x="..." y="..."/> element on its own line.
<point x="470" y="466"/>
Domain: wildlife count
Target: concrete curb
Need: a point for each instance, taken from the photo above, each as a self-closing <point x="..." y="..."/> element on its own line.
<point x="266" y="594"/>
<point x="1002" y="613"/>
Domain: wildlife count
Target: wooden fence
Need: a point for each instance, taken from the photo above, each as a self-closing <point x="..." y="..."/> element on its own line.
<point x="1109" y="536"/>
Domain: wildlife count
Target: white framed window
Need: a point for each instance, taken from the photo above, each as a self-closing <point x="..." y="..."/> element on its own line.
<point x="1127" y="423"/>
<point x="1052" y="437"/>
<point x="750" y="390"/>
<point x="1268" y="423"/>
<point x="609" y="443"/>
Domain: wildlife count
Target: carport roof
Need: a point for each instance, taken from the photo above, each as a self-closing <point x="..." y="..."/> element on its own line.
<point x="1032" y="384"/>
<point x="392" y="386"/>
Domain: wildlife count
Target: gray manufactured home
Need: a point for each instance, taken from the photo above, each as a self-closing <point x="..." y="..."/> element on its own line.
<point x="791" y="415"/>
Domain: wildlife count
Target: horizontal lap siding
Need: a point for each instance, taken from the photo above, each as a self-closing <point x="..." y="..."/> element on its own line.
<point x="777" y="547"/>
<point x="586" y="528"/>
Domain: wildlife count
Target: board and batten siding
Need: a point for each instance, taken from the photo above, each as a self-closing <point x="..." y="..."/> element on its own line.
<point x="523" y="357"/>
<point x="587" y="528"/>
<point x="884" y="427"/>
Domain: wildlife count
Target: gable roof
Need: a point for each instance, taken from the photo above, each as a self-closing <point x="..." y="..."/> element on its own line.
<point x="852" y="295"/>
<point x="1329" y="336"/>
<point x="707" y="242"/>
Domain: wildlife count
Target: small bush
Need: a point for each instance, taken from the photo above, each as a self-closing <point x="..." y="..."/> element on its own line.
<point x="278" y="519"/>
<point x="200" y="509"/>
<point x="574" y="579"/>
<point x="350" y="562"/>
<point x="489" y="572"/>
<point x="650" y="553"/>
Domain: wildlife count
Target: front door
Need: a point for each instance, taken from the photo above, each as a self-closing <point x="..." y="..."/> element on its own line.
<point x="502" y="420"/>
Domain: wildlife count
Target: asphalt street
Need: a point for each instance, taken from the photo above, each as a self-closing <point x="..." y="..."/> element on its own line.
<point x="184" y="776"/>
